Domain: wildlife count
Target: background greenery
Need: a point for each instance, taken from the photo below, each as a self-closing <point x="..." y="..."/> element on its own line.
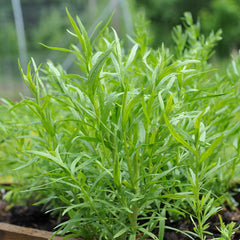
<point x="213" y="15"/>
<point x="46" y="22"/>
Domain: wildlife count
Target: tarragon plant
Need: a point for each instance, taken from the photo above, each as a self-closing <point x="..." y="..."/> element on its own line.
<point x="129" y="138"/>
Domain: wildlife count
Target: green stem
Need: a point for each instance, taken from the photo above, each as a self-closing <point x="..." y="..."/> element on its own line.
<point x="198" y="209"/>
<point x="128" y="160"/>
<point x="91" y="203"/>
<point x="134" y="218"/>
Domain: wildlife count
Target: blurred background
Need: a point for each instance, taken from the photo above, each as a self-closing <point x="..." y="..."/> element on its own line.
<point x="25" y="23"/>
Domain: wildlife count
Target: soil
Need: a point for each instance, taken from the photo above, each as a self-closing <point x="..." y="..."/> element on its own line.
<point x="27" y="216"/>
<point x="35" y="217"/>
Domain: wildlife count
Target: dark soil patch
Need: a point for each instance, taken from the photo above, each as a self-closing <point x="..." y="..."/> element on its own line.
<point x="35" y="217"/>
<point x="31" y="216"/>
<point x="28" y="216"/>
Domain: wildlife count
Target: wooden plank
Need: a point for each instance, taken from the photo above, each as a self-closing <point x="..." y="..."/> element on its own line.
<point x="13" y="232"/>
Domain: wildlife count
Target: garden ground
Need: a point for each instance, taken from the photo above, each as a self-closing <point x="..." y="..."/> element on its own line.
<point x="35" y="217"/>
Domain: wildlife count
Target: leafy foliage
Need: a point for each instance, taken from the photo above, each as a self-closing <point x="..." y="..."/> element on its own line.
<point x="213" y="15"/>
<point x="131" y="137"/>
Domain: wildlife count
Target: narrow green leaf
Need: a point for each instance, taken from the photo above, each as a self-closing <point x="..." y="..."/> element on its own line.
<point x="171" y="81"/>
<point x="162" y="225"/>
<point x="77" y="31"/>
<point x="121" y="232"/>
<point x="102" y="30"/>
<point x="34" y="159"/>
<point x="129" y="108"/>
<point x="95" y="71"/>
<point x="77" y="206"/>
<point x="192" y="176"/>
<point x="131" y="55"/>
<point x="116" y="167"/>
<point x="169" y="104"/>
<point x="197" y="128"/>
<point x="58" y="48"/>
<point x="118" y="47"/>
<point x="176" y="135"/>
<point x="88" y="47"/>
<point x="176" y="196"/>
<point x="28" y="78"/>
<point x="210" y="150"/>
<point x="155" y="74"/>
<point x="145" y="231"/>
<point x="161" y="101"/>
<point x="116" y="64"/>
<point x="144" y="108"/>
<point x="57" y="160"/>
<point x="235" y="68"/>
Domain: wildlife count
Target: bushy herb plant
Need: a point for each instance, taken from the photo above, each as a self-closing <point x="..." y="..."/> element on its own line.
<point x="132" y="137"/>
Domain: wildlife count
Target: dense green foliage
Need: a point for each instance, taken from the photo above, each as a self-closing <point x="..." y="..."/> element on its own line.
<point x="129" y="138"/>
<point x="44" y="21"/>
<point x="213" y="15"/>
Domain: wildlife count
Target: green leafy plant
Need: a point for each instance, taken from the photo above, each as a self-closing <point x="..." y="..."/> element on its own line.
<point x="130" y="139"/>
<point x="227" y="231"/>
<point x="213" y="15"/>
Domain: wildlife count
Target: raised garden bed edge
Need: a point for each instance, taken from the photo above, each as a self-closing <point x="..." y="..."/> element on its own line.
<point x="14" y="232"/>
